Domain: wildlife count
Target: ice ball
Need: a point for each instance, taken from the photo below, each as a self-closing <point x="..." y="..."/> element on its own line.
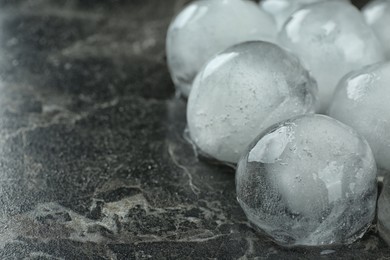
<point x="241" y="92"/>
<point x="362" y="102"/>
<point x="377" y="15"/>
<point x="308" y="181"/>
<point x="332" y="39"/>
<point x="207" y="27"/>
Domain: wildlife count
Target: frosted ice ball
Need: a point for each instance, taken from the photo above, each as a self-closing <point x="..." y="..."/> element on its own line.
<point x="310" y="180"/>
<point x="282" y="9"/>
<point x="242" y="91"/>
<point x="362" y="102"/>
<point x="384" y="211"/>
<point x="377" y="15"/>
<point x="332" y="39"/>
<point x="207" y="27"/>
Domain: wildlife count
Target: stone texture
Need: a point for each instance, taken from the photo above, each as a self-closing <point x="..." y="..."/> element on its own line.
<point x="93" y="163"/>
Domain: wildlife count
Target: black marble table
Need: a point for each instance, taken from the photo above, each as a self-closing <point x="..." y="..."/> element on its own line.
<point x="93" y="160"/>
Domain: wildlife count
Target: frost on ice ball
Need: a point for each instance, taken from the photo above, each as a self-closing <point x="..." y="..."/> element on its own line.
<point x="362" y="102"/>
<point x="242" y="91"/>
<point x="282" y="9"/>
<point x="310" y="181"/>
<point x="377" y="14"/>
<point x="332" y="39"/>
<point x="207" y="27"/>
<point x="384" y="211"/>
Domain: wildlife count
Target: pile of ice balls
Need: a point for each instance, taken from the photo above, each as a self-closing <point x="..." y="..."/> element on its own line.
<point x="256" y="75"/>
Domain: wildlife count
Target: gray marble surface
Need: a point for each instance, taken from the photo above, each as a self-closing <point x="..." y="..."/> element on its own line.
<point x="93" y="160"/>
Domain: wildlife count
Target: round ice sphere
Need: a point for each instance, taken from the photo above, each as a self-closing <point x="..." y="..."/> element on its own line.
<point x="282" y="9"/>
<point x="242" y="91"/>
<point x="207" y="27"/>
<point x="377" y="15"/>
<point x="310" y="180"/>
<point x="384" y="211"/>
<point x="362" y="102"/>
<point x="332" y="39"/>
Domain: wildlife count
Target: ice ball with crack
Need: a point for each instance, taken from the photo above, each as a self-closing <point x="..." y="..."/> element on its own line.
<point x="241" y="92"/>
<point x="308" y="181"/>
<point x="207" y="27"/>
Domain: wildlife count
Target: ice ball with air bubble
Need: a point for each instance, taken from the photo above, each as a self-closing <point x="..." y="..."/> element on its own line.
<point x="308" y="181"/>
<point x="206" y="27"/>
<point x="241" y="92"/>
<point x="332" y="39"/>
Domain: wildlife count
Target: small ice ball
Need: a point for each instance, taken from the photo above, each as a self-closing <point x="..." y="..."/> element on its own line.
<point x="362" y="102"/>
<point x="332" y="39"/>
<point x="308" y="181"/>
<point x="377" y="15"/>
<point x="207" y="27"/>
<point x="242" y="91"/>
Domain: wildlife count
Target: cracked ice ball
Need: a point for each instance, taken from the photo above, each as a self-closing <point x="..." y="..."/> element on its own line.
<point x="377" y="14"/>
<point x="241" y="92"/>
<point x="207" y="27"/>
<point x="310" y="180"/>
<point x="332" y="39"/>
<point x="362" y="102"/>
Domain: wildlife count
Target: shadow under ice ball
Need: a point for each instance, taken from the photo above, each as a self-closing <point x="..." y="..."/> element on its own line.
<point x="207" y="27"/>
<point x="241" y="92"/>
<point x="362" y="102"/>
<point x="332" y="39"/>
<point x="310" y="181"/>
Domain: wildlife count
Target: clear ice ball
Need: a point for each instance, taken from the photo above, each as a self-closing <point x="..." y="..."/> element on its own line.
<point x="377" y="15"/>
<point x="384" y="211"/>
<point x="362" y="102"/>
<point x="308" y="181"/>
<point x="332" y="39"/>
<point x="241" y="92"/>
<point x="207" y="27"/>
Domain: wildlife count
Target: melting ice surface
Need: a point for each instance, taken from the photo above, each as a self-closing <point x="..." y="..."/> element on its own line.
<point x="332" y="39"/>
<point x="270" y="147"/>
<point x="206" y="27"/>
<point x="310" y="180"/>
<point x="362" y="102"/>
<point x="241" y="92"/>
